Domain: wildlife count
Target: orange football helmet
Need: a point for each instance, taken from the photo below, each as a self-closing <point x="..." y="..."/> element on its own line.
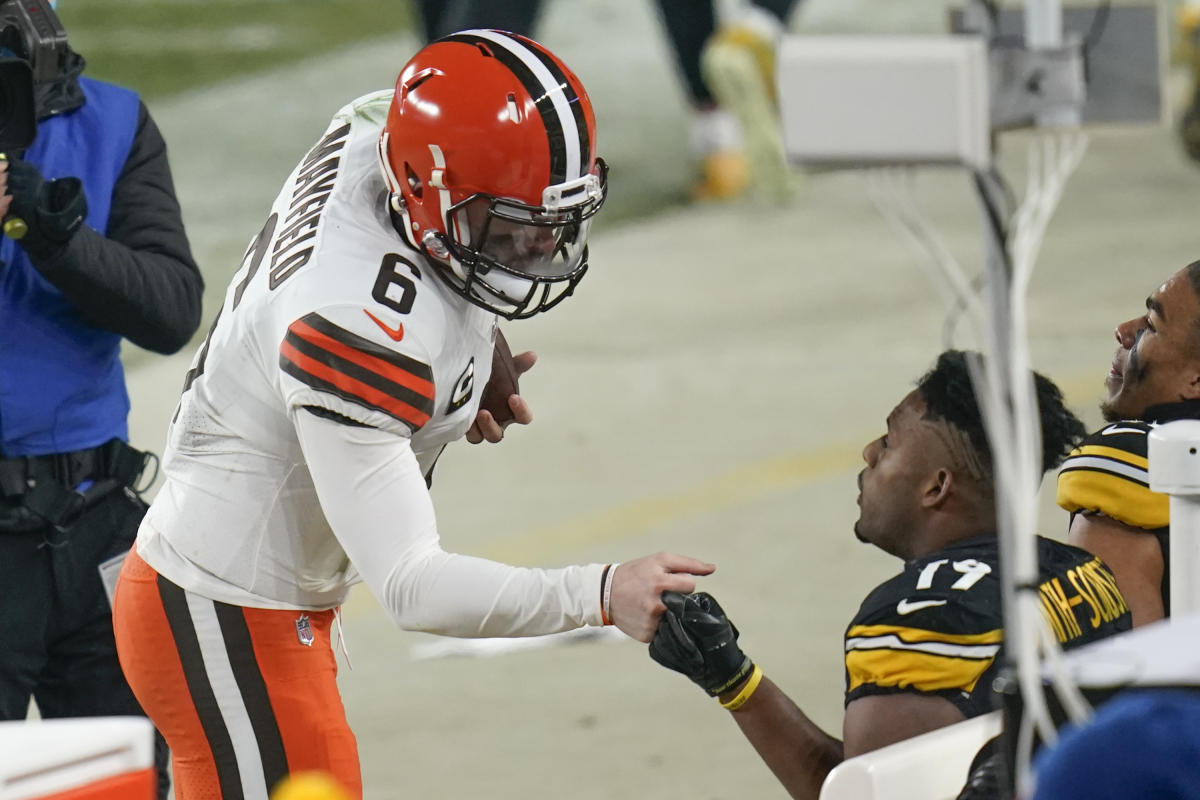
<point x="489" y="153"/>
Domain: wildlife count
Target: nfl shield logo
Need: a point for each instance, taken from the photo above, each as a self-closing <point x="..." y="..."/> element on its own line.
<point x="304" y="630"/>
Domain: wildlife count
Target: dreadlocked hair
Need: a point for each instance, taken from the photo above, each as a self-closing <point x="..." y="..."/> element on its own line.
<point x="950" y="397"/>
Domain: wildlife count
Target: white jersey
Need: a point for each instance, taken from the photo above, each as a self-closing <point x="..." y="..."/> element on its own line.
<point x="337" y="370"/>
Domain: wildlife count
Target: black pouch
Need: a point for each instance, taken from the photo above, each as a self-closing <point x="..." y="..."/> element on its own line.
<point x="40" y="491"/>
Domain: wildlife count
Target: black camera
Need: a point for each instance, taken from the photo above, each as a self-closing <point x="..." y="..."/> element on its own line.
<point x="33" y="53"/>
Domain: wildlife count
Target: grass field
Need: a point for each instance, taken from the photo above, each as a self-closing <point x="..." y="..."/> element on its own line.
<point x="167" y="46"/>
<point x="163" y="48"/>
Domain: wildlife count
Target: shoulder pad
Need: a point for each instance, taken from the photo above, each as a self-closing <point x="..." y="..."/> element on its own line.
<point x="1108" y="474"/>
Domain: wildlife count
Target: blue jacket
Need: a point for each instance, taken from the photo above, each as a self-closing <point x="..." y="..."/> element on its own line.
<point x="62" y="386"/>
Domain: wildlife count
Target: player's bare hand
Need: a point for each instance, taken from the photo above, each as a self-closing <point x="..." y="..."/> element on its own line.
<point x="637" y="587"/>
<point x="486" y="427"/>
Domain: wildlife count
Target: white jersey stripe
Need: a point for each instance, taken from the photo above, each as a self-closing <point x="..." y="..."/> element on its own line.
<point x="1100" y="464"/>
<point x="893" y="642"/>
<point x="229" y="697"/>
<point x="552" y="89"/>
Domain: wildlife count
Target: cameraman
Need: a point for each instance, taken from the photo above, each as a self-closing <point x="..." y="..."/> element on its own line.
<point x="104" y="256"/>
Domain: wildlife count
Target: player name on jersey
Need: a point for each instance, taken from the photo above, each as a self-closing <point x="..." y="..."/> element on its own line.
<point x="1091" y="585"/>
<point x="314" y="184"/>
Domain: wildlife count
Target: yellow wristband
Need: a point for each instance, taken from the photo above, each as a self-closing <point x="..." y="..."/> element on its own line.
<point x="741" y="697"/>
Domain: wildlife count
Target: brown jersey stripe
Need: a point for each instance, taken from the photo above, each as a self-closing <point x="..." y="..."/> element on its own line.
<point x="354" y="371"/>
<point x="393" y="366"/>
<point x="322" y="377"/>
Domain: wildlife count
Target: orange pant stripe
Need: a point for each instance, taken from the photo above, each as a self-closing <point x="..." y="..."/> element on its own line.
<point x="243" y="696"/>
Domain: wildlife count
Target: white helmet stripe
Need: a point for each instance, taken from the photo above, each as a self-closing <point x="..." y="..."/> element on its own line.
<point x="551" y="89"/>
<point x="437" y="177"/>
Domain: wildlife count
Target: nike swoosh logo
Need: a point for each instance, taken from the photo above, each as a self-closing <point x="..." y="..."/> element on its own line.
<point x="396" y="333"/>
<point x="907" y="607"/>
<point x="1114" y="430"/>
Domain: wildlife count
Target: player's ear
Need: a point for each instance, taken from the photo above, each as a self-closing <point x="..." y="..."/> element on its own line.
<point x="1191" y="390"/>
<point x="937" y="488"/>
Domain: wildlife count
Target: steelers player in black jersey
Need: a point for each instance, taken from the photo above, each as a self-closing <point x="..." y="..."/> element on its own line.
<point x="923" y="647"/>
<point x="1154" y="378"/>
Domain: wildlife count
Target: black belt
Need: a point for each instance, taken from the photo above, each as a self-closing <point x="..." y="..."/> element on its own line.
<point x="52" y="486"/>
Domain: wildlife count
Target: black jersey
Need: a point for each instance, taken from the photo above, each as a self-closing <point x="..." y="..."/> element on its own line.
<point x="938" y="626"/>
<point x="1109" y="474"/>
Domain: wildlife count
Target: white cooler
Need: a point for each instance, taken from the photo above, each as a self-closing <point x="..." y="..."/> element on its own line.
<point x="97" y="758"/>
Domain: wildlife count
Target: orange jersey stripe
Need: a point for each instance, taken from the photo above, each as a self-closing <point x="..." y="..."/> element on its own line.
<point x="368" y="394"/>
<point x="377" y="365"/>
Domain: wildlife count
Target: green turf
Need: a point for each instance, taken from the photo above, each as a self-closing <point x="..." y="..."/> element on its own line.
<point x="165" y="46"/>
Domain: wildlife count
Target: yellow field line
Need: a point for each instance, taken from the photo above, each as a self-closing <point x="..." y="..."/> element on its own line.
<point x="737" y="487"/>
<point x="740" y="486"/>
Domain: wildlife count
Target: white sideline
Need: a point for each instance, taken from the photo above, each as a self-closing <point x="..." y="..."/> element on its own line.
<point x="932" y="766"/>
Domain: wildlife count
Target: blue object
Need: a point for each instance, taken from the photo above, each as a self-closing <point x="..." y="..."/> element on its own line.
<point x="1141" y="744"/>
<point x="62" y="386"/>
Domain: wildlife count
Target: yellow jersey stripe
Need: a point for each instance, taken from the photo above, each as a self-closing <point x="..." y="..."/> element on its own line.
<point x="1113" y="496"/>
<point x="924" y="672"/>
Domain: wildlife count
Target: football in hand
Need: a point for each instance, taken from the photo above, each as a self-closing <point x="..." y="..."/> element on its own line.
<point x="501" y="384"/>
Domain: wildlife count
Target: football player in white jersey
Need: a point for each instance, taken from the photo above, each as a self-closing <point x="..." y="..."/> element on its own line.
<point x="352" y="346"/>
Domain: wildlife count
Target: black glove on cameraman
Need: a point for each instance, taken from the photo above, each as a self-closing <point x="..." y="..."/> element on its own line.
<point x="52" y="210"/>
<point x="695" y="637"/>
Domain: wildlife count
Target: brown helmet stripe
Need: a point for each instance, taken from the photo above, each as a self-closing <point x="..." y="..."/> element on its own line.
<point x="561" y="119"/>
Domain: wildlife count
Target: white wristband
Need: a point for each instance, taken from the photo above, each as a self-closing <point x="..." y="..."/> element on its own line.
<point x="606" y="594"/>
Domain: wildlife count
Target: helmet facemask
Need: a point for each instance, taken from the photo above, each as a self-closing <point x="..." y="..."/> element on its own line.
<point x="517" y="259"/>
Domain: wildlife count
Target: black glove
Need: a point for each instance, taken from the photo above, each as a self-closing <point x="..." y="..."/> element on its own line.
<point x="696" y="638"/>
<point x="987" y="781"/>
<point x="987" y="777"/>
<point x="52" y="210"/>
